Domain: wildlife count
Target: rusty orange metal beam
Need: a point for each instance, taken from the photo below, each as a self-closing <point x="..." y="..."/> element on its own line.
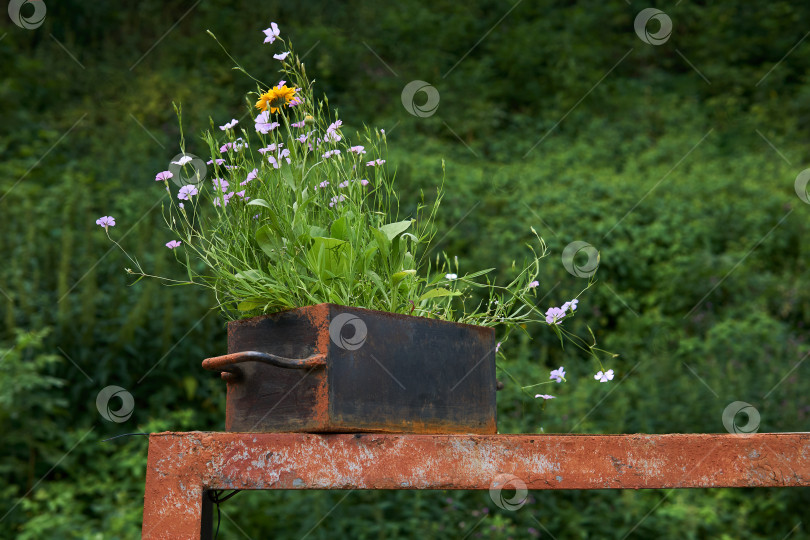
<point x="182" y="466"/>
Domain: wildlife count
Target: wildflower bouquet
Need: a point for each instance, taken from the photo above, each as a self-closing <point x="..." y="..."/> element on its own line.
<point x="296" y="214"/>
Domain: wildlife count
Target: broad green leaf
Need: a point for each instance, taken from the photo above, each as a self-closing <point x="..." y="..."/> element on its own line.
<point x="258" y="202"/>
<point x="438" y="293"/>
<point x="383" y="243"/>
<point x="250" y="304"/>
<point x="399" y="276"/>
<point x="340" y="228"/>
<point x="330" y="257"/>
<point x="268" y="241"/>
<point x="251" y="275"/>
<point x="392" y="230"/>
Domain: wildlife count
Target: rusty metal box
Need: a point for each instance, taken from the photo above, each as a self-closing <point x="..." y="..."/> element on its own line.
<point x="331" y="368"/>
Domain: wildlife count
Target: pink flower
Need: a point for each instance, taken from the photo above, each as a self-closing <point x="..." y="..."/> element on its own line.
<point x="186" y="192"/>
<point x="271" y="33"/>
<point x="106" y="221"/>
<point x="272" y="161"/>
<point x="375" y="163"/>
<point x="364" y="182"/>
<point x="534" y="284"/>
<point x="271" y="148"/>
<point x="251" y="175"/>
<point x="281" y="56"/>
<point x="226" y="198"/>
<point x="558" y="374"/>
<point x="337" y="199"/>
<point x="220" y="184"/>
<point x="263" y="123"/>
<point x="174" y="244"/>
<point x="331" y="153"/>
<point x="604" y="377"/>
<point x="218" y="161"/>
<point x="322" y="184"/>
<point x="298" y="124"/>
<point x="357" y="150"/>
<point x="497" y="346"/>
<point x="163" y="176"/>
<point x="229" y="125"/>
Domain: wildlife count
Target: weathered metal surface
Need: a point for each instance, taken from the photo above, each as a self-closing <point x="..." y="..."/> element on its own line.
<point x="181" y="466"/>
<point x="330" y="368"/>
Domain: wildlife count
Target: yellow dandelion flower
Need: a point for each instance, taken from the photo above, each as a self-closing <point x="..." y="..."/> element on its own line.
<point x="275" y="98"/>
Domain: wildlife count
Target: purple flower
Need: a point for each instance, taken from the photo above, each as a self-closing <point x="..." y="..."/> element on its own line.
<point x="225" y="147"/>
<point x="281" y="56"/>
<point x="298" y="124"/>
<point x="106" y="221"/>
<point x="375" y="163"/>
<point x="226" y="198"/>
<point x="271" y="33"/>
<point x="239" y="144"/>
<point x="186" y="192"/>
<point x="331" y="131"/>
<point x="331" y="153"/>
<point x="297" y="100"/>
<point x="263" y="123"/>
<point x="604" y="377"/>
<point x="229" y="125"/>
<point x="322" y="184"/>
<point x="534" y="284"/>
<point x="284" y="154"/>
<point x="544" y="396"/>
<point x="557" y="374"/>
<point x="270" y="148"/>
<point x="344" y="184"/>
<point x="497" y="346"/>
<point x="241" y="194"/>
<point x="357" y="150"/>
<point x="337" y="199"/>
<point x="174" y="244"/>
<point x="251" y="175"/>
<point x="219" y="161"/>
<point x="364" y="182"/>
<point x="163" y="176"/>
<point x="272" y="161"/>
<point x="220" y="184"/>
<point x="302" y="139"/>
<point x="554" y="315"/>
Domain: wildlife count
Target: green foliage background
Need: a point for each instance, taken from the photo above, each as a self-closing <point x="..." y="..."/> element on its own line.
<point x="683" y="180"/>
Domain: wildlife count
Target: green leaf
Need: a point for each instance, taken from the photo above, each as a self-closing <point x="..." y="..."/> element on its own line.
<point x="438" y="293"/>
<point x="268" y="241"/>
<point x="383" y="243"/>
<point x="399" y="276"/>
<point x="392" y="230"/>
<point x="250" y="304"/>
<point x="259" y="202"/>
<point x="250" y="275"/>
<point x="340" y="228"/>
<point x="329" y="257"/>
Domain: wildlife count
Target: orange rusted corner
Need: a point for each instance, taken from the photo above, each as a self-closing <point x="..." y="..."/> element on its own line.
<point x="181" y="466"/>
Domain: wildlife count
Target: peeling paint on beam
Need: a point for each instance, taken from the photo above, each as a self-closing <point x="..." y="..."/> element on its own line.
<point x="181" y="466"/>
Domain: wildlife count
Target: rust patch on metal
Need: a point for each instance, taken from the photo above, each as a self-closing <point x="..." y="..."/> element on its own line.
<point x="183" y="465"/>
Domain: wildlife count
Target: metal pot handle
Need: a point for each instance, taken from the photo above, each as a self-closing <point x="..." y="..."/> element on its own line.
<point x="227" y="363"/>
